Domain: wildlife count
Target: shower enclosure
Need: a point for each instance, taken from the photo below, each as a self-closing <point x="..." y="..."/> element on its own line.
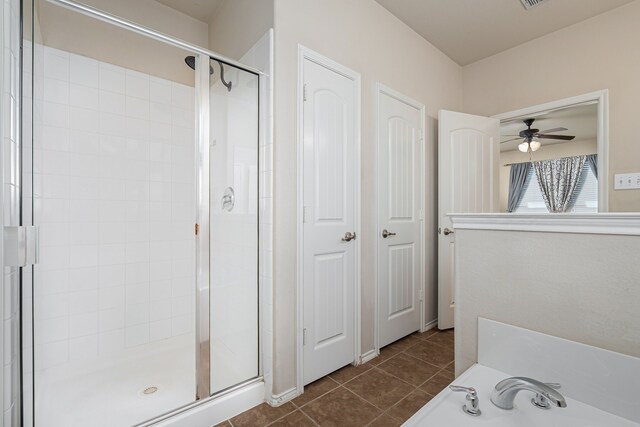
<point x="141" y="175"/>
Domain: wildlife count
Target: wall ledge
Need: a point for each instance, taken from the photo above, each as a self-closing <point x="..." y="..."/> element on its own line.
<point x="603" y="223"/>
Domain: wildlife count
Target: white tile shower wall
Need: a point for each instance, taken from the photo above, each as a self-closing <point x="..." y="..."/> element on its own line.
<point x="114" y="180"/>
<point x="9" y="138"/>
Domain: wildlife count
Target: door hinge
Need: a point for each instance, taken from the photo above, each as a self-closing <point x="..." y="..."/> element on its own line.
<point x="421" y="135"/>
<point x="304" y="336"/>
<point x="304" y="214"/>
<point x="197" y="228"/>
<point x="421" y="214"/>
<point x="421" y="295"/>
<point x="20" y="246"/>
<point x="304" y="92"/>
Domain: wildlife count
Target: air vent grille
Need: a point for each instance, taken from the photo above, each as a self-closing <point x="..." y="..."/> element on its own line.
<point x="528" y="4"/>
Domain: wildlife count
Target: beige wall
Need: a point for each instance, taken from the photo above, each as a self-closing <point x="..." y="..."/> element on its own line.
<point x="547" y="152"/>
<point x="238" y="24"/>
<point x="555" y="283"/>
<point x="365" y="37"/>
<point x="67" y="30"/>
<point x="599" y="53"/>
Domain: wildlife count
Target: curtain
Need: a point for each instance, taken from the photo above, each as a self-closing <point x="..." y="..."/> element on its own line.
<point x="592" y="159"/>
<point x="558" y="179"/>
<point x="517" y="182"/>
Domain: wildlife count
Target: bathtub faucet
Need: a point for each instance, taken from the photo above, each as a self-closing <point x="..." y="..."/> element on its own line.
<point x="506" y="390"/>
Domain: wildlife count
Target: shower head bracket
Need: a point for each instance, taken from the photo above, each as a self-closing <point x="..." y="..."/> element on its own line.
<point x="224" y="82"/>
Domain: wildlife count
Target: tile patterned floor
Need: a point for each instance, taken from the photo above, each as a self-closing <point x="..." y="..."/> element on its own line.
<point x="384" y="392"/>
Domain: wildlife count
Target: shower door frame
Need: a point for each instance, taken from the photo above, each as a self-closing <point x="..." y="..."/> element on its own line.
<point x="202" y="220"/>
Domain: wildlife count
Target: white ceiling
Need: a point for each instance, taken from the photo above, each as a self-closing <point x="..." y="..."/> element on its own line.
<point x="469" y="30"/>
<point x="581" y="121"/>
<point x="202" y="10"/>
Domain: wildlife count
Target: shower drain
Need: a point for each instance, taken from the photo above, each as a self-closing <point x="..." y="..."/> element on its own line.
<point x="150" y="390"/>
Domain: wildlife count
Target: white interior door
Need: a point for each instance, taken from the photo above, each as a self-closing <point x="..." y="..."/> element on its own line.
<point x="468" y="180"/>
<point x="400" y="236"/>
<point x="329" y="224"/>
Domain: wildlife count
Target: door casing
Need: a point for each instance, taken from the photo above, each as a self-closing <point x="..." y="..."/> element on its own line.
<point x="308" y="54"/>
<point x="382" y="89"/>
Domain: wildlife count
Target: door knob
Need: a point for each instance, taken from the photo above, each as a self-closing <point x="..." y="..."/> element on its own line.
<point x="448" y="231"/>
<point x="386" y="233"/>
<point x="349" y="236"/>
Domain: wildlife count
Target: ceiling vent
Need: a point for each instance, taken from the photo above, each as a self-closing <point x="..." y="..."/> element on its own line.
<point x="528" y="4"/>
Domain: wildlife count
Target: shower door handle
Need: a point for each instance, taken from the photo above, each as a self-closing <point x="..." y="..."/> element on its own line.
<point x="228" y="199"/>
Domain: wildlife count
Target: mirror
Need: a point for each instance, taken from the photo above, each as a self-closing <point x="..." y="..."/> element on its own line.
<point x="549" y="160"/>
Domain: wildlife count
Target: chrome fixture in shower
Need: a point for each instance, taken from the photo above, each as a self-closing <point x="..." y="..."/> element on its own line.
<point x="191" y="62"/>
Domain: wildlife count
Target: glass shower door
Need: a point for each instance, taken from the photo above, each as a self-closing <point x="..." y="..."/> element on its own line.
<point x="135" y="314"/>
<point x="113" y="172"/>
<point x="234" y="293"/>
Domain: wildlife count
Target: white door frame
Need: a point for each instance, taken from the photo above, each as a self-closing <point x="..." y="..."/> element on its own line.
<point x="602" y="98"/>
<point x="308" y="54"/>
<point x="380" y="89"/>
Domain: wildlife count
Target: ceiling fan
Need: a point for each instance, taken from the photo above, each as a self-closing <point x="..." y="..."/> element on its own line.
<point x="530" y="137"/>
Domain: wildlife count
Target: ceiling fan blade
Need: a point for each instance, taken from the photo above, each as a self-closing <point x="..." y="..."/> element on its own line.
<point x="562" y="137"/>
<point x="509" y="140"/>
<point x="553" y="130"/>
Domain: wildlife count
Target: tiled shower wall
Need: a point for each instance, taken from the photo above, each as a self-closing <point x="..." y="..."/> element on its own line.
<point x="9" y="138"/>
<point x="114" y="181"/>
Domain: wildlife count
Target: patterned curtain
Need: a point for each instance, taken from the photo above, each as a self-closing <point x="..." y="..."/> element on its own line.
<point x="558" y="179"/>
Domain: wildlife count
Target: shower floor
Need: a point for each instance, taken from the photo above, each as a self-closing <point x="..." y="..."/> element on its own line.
<point x="111" y="393"/>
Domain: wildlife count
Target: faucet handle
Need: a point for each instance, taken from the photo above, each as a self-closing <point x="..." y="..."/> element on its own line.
<point x="472" y="399"/>
<point x="539" y="401"/>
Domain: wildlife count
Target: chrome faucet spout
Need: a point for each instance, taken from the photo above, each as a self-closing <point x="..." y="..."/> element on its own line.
<point x="506" y="390"/>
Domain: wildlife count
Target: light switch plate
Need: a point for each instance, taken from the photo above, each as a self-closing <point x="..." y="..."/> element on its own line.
<point x="627" y="181"/>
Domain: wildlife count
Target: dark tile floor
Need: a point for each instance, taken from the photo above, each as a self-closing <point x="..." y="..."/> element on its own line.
<point x="386" y="391"/>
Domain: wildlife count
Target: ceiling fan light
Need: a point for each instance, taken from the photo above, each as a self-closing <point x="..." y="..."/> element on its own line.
<point x="535" y="145"/>
<point x="524" y="147"/>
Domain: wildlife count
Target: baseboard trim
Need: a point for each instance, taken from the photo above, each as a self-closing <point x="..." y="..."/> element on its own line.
<point x="369" y="355"/>
<point x="280" y="399"/>
<point x="429" y="326"/>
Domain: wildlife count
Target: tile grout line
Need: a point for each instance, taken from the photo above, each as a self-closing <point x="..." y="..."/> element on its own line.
<point x="381" y="370"/>
<point x="414" y="389"/>
<point x="424" y="361"/>
<point x="371" y="368"/>
<point x="295" y="408"/>
<point x="351" y="379"/>
<point x="397" y="403"/>
<point x="310" y="417"/>
<point x="419" y="385"/>
<point x="362" y="398"/>
<point x="318" y="397"/>
<point x="307" y="415"/>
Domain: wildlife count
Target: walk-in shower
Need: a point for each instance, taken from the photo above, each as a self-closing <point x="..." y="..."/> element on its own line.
<point x="142" y="177"/>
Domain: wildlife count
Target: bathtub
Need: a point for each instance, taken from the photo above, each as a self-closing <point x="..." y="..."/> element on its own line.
<point x="446" y="408"/>
<point x="600" y="386"/>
